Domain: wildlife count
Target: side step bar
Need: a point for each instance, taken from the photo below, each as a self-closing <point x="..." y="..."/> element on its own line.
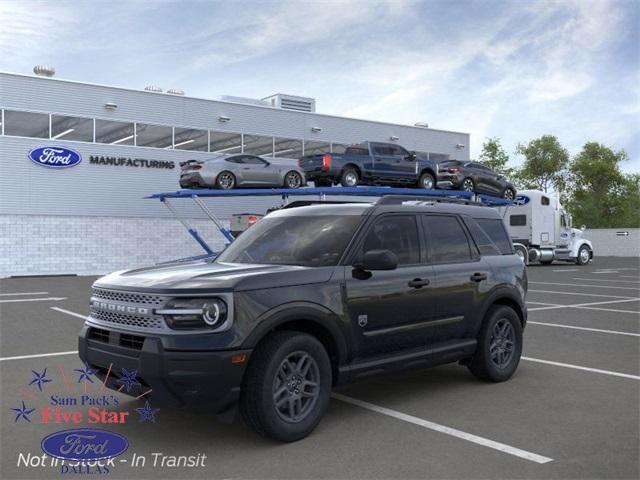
<point x="438" y="354"/>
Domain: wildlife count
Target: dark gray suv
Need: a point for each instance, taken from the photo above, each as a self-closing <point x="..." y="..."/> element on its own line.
<point x="309" y="298"/>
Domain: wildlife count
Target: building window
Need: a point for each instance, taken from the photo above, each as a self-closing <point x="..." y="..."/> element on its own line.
<point x="26" y="124"/>
<point x="190" y="139"/>
<point x="314" y="148"/>
<point x="114" y="133"/>
<point x="71" y="128"/>
<point x="225" y="142"/>
<point x="287" y="148"/>
<point x="258" y="145"/>
<point x="157" y="136"/>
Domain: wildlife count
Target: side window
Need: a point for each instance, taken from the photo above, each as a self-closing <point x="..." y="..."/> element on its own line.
<point x="447" y="239"/>
<point x="518" y="220"/>
<point x="399" y="151"/>
<point x="251" y="160"/>
<point x="494" y="228"/>
<point x="544" y="201"/>
<point x="484" y="243"/>
<point x="234" y="160"/>
<point x="397" y="233"/>
<point x="563" y="220"/>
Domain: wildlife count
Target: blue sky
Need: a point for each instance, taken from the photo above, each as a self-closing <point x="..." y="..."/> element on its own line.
<point x="515" y="70"/>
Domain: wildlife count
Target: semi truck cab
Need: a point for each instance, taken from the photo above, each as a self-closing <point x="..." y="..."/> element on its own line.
<point x="541" y="230"/>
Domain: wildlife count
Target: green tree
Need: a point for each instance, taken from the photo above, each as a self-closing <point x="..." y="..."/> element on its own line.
<point x="544" y="165"/>
<point x="600" y="195"/>
<point x="494" y="156"/>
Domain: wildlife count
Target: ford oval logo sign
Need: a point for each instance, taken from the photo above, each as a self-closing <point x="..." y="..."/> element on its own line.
<point x="84" y="444"/>
<point x="521" y="200"/>
<point x="55" y="157"/>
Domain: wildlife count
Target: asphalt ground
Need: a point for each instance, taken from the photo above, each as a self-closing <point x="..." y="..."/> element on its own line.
<point x="571" y="410"/>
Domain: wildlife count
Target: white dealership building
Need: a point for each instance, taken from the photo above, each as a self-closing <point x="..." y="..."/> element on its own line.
<point x="92" y="217"/>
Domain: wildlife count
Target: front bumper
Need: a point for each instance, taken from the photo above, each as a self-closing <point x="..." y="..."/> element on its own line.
<point x="449" y="181"/>
<point x="175" y="377"/>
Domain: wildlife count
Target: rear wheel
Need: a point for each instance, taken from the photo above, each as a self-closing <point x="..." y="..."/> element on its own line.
<point x="349" y="178"/>
<point x="285" y="391"/>
<point x="468" y="185"/>
<point x="293" y="179"/>
<point x="584" y="255"/>
<point x="427" y="181"/>
<point x="499" y="345"/>
<point x="226" y="180"/>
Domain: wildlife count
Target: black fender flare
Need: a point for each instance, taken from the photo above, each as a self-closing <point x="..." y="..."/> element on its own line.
<point x="315" y="313"/>
<point x="507" y="296"/>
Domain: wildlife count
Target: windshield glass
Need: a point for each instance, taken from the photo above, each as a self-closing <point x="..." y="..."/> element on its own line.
<point x="314" y="241"/>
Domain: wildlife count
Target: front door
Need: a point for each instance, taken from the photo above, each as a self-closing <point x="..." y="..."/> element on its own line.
<point x="390" y="310"/>
<point x="257" y="171"/>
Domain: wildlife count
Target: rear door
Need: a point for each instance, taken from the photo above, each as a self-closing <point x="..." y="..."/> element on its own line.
<point x="461" y="275"/>
<point x="383" y="160"/>
<point x="391" y="310"/>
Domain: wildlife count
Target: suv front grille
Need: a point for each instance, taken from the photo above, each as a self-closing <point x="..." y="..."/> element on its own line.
<point x="128" y="320"/>
<point x="131" y="341"/>
<point x="99" y="334"/>
<point x="117" y="296"/>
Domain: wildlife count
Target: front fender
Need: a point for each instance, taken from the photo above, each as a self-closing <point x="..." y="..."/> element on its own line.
<point x="575" y="247"/>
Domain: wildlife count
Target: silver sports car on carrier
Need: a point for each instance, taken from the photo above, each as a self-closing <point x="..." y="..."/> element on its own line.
<point x="241" y="170"/>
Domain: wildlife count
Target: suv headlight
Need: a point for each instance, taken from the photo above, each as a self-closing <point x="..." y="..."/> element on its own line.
<point x="193" y="313"/>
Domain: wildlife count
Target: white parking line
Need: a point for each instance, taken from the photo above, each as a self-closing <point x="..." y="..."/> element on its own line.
<point x="572" y="327"/>
<point x="588" y="286"/>
<point x="605" y="280"/>
<point x="485" y="442"/>
<point x="610" y="310"/>
<point x="582" y="294"/>
<point x="579" y="367"/>
<point x="55" y="354"/>
<point x="583" y="305"/>
<point x="547" y="304"/>
<point x="48" y="299"/>
<point x="628" y="276"/>
<point x="23" y="293"/>
<point x="73" y="314"/>
<point x="605" y="272"/>
<point x="567" y="270"/>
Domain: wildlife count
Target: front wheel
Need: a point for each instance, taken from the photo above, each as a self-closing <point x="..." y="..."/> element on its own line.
<point x="468" y="185"/>
<point x="293" y="179"/>
<point x="499" y="345"/>
<point x="427" y="181"/>
<point x="285" y="391"/>
<point x="509" y="194"/>
<point x="584" y="255"/>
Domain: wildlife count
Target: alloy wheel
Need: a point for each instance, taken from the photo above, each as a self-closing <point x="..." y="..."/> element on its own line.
<point x="293" y="180"/>
<point x="226" y="180"/>
<point x="502" y="344"/>
<point x="351" y="179"/>
<point x="296" y="387"/>
<point x="467" y="185"/>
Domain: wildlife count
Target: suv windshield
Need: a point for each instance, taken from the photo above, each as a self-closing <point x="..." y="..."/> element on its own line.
<point x="314" y="241"/>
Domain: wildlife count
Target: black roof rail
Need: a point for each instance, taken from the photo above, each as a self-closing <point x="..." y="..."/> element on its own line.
<point x="425" y="199"/>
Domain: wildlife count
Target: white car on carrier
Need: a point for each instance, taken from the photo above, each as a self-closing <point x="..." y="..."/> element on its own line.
<point x="541" y="230"/>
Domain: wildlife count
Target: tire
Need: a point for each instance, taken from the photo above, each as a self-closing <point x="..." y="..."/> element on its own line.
<point x="508" y="194"/>
<point x="468" y="185"/>
<point x="584" y="255"/>
<point x="523" y="253"/>
<point x="427" y="181"/>
<point x="503" y="364"/>
<point x="292" y="180"/>
<point x="264" y="375"/>
<point x="225" y="180"/>
<point x="349" y="178"/>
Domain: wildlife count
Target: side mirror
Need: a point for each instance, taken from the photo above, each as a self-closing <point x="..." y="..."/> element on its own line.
<point x="377" y="260"/>
<point x="412" y="156"/>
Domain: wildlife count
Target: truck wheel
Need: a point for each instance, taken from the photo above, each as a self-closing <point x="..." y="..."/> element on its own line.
<point x="226" y="180"/>
<point x="427" y="181"/>
<point x="349" y="178"/>
<point x="584" y="255"/>
<point x="499" y="345"/>
<point x="286" y="388"/>
<point x="522" y="252"/>
<point x="468" y="185"/>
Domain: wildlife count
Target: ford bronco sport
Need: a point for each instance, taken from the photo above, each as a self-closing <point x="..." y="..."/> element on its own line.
<point x="309" y="298"/>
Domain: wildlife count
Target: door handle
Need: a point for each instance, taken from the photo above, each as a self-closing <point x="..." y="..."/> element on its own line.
<point x="418" y="283"/>
<point x="478" y="277"/>
<point x="246" y="168"/>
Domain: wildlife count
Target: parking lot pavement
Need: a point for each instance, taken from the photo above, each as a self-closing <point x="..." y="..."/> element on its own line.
<point x="571" y="411"/>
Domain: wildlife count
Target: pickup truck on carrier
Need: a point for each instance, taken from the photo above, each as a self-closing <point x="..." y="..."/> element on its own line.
<point x="371" y="163"/>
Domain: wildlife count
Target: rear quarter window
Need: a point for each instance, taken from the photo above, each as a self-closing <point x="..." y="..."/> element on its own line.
<point x="356" y="151"/>
<point x="492" y="239"/>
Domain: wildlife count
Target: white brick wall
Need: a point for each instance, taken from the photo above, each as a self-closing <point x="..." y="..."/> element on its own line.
<point x="41" y="245"/>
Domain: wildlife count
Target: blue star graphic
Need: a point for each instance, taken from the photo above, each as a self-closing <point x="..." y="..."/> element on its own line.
<point x="23" y="412"/>
<point x="128" y="379"/>
<point x="147" y="413"/>
<point x="85" y="373"/>
<point x="39" y="379"/>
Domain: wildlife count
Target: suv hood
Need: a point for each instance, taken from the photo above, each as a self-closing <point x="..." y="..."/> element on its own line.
<point x="203" y="276"/>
